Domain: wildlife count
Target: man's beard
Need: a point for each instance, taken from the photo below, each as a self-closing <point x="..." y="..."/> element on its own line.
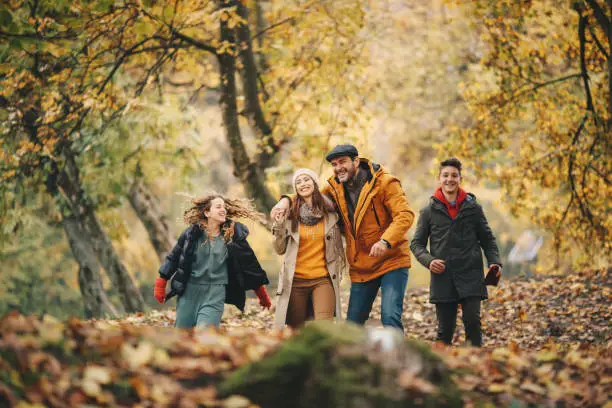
<point x="350" y="175"/>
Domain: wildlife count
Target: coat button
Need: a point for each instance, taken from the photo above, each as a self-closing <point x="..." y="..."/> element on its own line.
<point x="328" y="237"/>
<point x="334" y="276"/>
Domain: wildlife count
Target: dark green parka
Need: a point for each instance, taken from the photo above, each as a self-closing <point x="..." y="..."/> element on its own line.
<point x="458" y="243"/>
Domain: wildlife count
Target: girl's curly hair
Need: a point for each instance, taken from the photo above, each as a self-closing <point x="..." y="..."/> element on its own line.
<point x="235" y="207"/>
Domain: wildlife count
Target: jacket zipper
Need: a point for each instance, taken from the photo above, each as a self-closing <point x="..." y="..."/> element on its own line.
<point x="357" y="211"/>
<point x="375" y="215"/>
<point x="339" y="209"/>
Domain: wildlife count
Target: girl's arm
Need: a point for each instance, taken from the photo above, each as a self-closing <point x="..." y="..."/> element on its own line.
<point x="254" y="276"/>
<point x="171" y="264"/>
<point x="168" y="268"/>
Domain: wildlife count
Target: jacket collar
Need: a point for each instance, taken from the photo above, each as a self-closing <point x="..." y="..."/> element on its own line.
<point x="241" y="231"/>
<point x="461" y="195"/>
<point x="468" y="202"/>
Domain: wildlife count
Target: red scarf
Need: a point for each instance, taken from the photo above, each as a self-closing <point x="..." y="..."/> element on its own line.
<point x="452" y="209"/>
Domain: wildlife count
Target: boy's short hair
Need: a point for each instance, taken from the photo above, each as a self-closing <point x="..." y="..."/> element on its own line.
<point x="453" y="162"/>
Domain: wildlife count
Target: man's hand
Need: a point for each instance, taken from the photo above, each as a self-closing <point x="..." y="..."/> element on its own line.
<point x="280" y="210"/>
<point x="437" y="266"/>
<point x="378" y="249"/>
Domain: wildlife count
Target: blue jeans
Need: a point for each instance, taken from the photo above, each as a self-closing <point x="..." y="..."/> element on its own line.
<point x="393" y="286"/>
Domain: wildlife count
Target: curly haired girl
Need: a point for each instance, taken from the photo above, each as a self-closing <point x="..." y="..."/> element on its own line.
<point x="212" y="262"/>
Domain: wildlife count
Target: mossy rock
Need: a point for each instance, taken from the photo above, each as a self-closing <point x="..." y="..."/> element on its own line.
<point x="337" y="365"/>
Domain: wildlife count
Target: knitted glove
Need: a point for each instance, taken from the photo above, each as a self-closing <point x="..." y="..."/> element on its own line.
<point x="160" y="290"/>
<point x="264" y="299"/>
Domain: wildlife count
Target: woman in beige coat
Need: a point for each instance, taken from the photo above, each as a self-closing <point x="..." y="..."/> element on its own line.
<point x="314" y="259"/>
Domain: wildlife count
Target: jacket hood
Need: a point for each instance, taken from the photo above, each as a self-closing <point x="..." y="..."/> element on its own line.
<point x="469" y="198"/>
<point x="461" y="196"/>
<point x="241" y="231"/>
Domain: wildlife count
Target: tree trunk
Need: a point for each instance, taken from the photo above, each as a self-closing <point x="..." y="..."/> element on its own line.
<point x="249" y="75"/>
<point x="260" y="24"/>
<point x="95" y="300"/>
<point x="68" y="180"/>
<point x="268" y="148"/>
<point x="606" y="26"/>
<point x="609" y="35"/>
<point x="90" y="229"/>
<point x="148" y="208"/>
<point x="252" y="178"/>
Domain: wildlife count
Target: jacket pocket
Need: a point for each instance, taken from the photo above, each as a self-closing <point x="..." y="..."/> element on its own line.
<point x="283" y="278"/>
<point x="367" y="239"/>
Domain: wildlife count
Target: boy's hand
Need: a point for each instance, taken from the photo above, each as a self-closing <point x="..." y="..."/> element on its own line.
<point x="498" y="268"/>
<point x="437" y="266"/>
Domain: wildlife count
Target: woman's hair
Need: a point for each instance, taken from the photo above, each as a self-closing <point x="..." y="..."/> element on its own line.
<point x="235" y="208"/>
<point x="320" y="204"/>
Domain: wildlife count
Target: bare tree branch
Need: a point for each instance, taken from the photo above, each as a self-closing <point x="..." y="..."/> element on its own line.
<point x="199" y="44"/>
<point x="195" y="42"/>
<point x="120" y="61"/>
<point x="600" y="15"/>
<point x="582" y="22"/>
<point x="599" y="44"/>
<point x="262" y="32"/>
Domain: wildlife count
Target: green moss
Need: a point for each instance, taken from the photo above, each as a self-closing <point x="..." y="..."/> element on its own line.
<point x="123" y="391"/>
<point x="286" y="372"/>
<point x="329" y="364"/>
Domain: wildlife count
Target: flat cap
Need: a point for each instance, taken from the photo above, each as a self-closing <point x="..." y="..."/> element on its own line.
<point x="342" y="150"/>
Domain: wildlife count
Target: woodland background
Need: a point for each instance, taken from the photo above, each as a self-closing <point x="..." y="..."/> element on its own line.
<point x="113" y="113"/>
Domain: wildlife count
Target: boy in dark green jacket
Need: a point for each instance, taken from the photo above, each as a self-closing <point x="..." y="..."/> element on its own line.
<point x="457" y="229"/>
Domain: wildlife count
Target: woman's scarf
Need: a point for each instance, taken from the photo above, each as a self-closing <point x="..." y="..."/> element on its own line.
<point x="308" y="215"/>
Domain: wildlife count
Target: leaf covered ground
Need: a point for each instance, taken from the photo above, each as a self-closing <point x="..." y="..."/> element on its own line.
<point x="547" y="343"/>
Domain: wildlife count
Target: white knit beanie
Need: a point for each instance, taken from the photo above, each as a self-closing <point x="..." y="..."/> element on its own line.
<point x="309" y="173"/>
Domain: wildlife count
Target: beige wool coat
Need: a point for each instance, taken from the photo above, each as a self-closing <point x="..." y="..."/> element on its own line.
<point x="287" y="243"/>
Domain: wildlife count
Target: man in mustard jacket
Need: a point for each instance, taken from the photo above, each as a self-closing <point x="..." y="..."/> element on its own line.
<point x="376" y="218"/>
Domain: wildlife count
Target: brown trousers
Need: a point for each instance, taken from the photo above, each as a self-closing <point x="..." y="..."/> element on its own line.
<point x="311" y="298"/>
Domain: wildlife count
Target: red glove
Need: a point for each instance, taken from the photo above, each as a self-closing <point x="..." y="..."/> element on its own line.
<point x="160" y="290"/>
<point x="264" y="299"/>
